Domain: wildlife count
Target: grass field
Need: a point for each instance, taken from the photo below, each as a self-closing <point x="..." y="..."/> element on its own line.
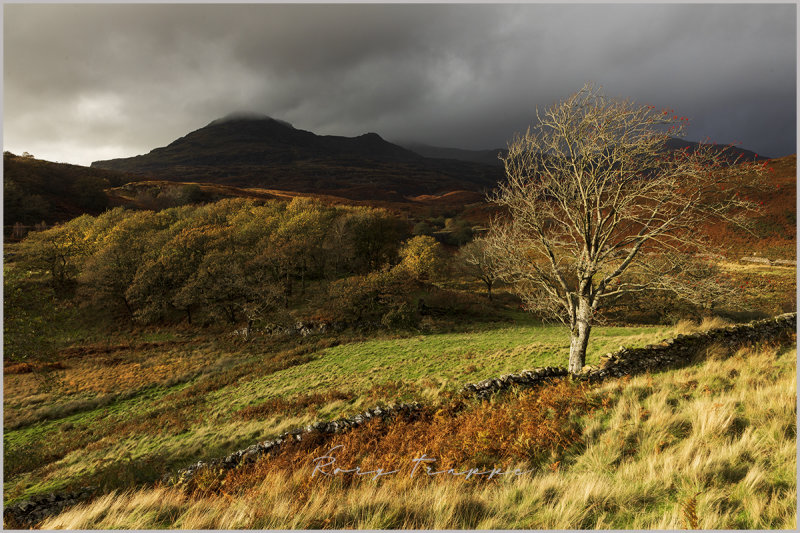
<point x="708" y="446"/>
<point x="120" y="414"/>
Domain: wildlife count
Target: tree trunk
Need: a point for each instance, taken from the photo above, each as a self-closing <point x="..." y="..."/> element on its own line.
<point x="580" y="337"/>
<point x="128" y="308"/>
<point x="488" y="289"/>
<point x="303" y="279"/>
<point x="287" y="290"/>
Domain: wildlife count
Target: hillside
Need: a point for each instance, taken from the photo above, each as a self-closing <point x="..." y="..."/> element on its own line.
<point x="38" y="190"/>
<point x="35" y="190"/>
<point x="156" y="194"/>
<point x="487" y="157"/>
<point x="774" y="226"/>
<point x="266" y="153"/>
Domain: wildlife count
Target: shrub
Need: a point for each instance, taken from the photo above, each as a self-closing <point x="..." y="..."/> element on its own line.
<point x="379" y="298"/>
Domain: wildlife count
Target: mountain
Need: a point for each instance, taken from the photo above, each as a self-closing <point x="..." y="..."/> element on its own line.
<point x="251" y="150"/>
<point x="248" y="150"/>
<point x="487" y="157"/>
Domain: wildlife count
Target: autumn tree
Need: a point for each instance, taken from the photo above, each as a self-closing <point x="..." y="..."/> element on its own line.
<point x="118" y="255"/>
<point x="593" y="194"/>
<point x="303" y="228"/>
<point x="422" y="257"/>
<point x="374" y="236"/>
<point x="230" y="284"/>
<point x="166" y="269"/>
<point x="58" y="252"/>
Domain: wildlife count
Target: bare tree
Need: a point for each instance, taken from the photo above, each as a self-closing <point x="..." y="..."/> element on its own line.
<point x="475" y="258"/>
<point x="593" y="193"/>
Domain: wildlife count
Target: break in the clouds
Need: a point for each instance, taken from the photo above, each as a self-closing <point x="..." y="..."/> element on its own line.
<point x="90" y="82"/>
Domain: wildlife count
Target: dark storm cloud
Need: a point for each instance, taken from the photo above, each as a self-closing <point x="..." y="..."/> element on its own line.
<point x="90" y="82"/>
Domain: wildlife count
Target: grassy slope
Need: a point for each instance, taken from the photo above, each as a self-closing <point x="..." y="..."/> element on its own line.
<point x="146" y="425"/>
<point x="773" y="234"/>
<point x="719" y="436"/>
<point x="444" y="359"/>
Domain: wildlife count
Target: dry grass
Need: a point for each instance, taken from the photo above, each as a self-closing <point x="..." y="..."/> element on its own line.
<point x="27" y="368"/>
<point x="711" y="446"/>
<point x="88" y="379"/>
<point x="293" y="405"/>
<point x="687" y="327"/>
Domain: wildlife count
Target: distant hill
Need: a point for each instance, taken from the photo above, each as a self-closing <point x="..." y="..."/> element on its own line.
<point x="37" y="191"/>
<point x="259" y="151"/>
<point x="774" y="231"/>
<point x="487" y="157"/>
<point x="733" y="151"/>
<point x="490" y="157"/>
<point x="159" y="194"/>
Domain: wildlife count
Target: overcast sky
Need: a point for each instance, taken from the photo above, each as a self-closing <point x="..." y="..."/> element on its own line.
<point x="90" y="82"/>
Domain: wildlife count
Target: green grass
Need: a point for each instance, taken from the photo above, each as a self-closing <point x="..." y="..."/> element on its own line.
<point x="116" y="440"/>
<point x="450" y="359"/>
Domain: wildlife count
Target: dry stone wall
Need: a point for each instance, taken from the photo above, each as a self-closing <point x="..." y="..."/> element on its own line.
<point x="684" y="348"/>
<point x="526" y="378"/>
<point x="28" y="513"/>
<point x="252" y="453"/>
<point x="666" y="354"/>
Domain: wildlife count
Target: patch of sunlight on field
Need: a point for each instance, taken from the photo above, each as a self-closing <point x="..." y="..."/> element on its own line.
<point x="456" y="358"/>
<point x="775" y="270"/>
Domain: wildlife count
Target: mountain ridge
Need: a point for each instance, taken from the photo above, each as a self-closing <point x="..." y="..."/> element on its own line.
<point x="260" y="151"/>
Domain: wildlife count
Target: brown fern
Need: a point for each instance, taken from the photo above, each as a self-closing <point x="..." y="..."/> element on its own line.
<point x="690" y="513"/>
